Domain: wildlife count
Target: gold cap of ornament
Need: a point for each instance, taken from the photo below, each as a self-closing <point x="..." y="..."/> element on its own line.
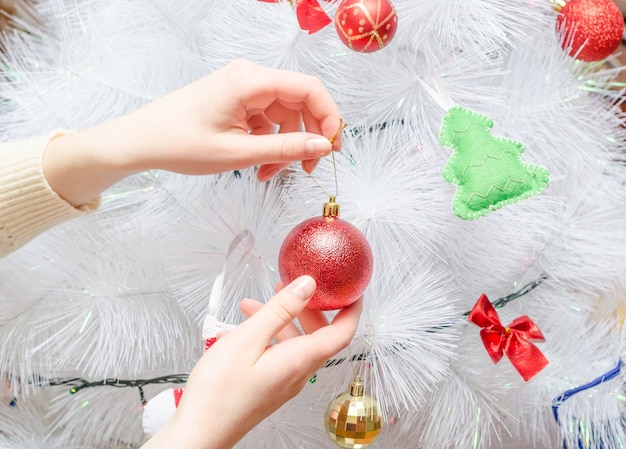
<point x="558" y="5"/>
<point x="357" y="388"/>
<point x="353" y="419"/>
<point x="331" y="209"/>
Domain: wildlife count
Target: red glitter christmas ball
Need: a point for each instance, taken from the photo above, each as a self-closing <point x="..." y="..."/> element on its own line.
<point x="595" y="25"/>
<point x="366" y="25"/>
<point x="332" y="251"/>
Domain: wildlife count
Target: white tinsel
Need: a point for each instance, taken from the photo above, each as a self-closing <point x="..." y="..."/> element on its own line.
<point x="123" y="293"/>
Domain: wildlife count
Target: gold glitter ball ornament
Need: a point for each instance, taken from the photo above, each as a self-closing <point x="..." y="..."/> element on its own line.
<point x="353" y="418"/>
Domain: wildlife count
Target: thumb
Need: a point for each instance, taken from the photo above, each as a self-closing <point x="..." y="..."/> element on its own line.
<point x="281" y="310"/>
<point x="284" y="147"/>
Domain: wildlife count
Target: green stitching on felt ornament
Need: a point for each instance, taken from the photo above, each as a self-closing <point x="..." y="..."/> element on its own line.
<point x="488" y="170"/>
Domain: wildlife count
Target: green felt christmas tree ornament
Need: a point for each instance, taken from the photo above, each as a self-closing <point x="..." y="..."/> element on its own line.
<point x="488" y="169"/>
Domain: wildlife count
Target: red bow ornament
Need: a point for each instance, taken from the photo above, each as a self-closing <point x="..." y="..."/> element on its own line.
<point x="512" y="340"/>
<point x="311" y="16"/>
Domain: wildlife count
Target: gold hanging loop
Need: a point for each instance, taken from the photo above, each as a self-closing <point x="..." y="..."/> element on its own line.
<point x="331" y="208"/>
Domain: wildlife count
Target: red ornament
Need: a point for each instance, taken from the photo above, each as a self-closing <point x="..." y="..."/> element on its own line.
<point x="311" y="16"/>
<point x="512" y="340"/>
<point x="595" y="25"/>
<point x="334" y="252"/>
<point x="366" y="25"/>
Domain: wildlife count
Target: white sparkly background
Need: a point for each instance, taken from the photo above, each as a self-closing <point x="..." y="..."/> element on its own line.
<point x="122" y="293"/>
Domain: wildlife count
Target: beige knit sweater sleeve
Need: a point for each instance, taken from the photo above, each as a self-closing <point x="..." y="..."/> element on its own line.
<point x="28" y="205"/>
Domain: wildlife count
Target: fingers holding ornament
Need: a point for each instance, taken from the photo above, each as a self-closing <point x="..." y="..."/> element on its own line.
<point x="259" y="124"/>
<point x="327" y="341"/>
<point x="294" y="90"/>
<point x="312" y="320"/>
<point x="288" y="119"/>
<point x="249" y="307"/>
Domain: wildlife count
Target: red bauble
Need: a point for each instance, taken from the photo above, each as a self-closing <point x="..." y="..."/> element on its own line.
<point x="596" y="24"/>
<point x="366" y="25"/>
<point x="333" y="252"/>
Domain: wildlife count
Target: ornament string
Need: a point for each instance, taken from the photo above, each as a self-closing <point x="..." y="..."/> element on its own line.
<point x="342" y="126"/>
<point x="356" y="371"/>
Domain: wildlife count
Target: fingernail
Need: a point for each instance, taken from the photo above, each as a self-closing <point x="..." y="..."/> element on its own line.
<point x="318" y="146"/>
<point x="303" y="287"/>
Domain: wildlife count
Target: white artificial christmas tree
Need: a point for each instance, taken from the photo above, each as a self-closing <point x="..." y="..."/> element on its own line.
<point x="96" y="309"/>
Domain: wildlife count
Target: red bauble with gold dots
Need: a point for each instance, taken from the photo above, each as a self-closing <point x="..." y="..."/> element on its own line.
<point x="595" y="25"/>
<point x="332" y="251"/>
<point x="366" y="25"/>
